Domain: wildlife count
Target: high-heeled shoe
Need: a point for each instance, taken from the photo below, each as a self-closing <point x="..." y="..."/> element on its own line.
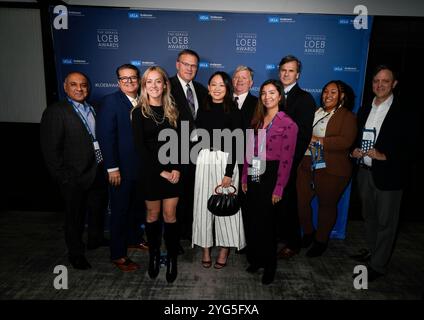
<point x="220" y="265"/>
<point x="207" y="263"/>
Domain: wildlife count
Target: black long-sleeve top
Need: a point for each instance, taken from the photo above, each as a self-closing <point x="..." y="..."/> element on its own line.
<point x="214" y="117"/>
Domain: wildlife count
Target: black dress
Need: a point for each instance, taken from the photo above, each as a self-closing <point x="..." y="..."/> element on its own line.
<point x="146" y="132"/>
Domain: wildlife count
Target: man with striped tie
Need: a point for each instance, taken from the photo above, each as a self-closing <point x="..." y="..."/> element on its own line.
<point x="188" y="95"/>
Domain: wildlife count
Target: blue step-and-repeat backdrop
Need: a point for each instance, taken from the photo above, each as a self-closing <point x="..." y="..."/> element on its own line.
<point x="97" y="40"/>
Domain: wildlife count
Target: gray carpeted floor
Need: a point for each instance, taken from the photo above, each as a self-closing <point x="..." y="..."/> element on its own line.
<point x="31" y="245"/>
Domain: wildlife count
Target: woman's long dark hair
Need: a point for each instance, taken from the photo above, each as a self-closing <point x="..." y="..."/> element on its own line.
<point x="228" y="98"/>
<point x="260" y="110"/>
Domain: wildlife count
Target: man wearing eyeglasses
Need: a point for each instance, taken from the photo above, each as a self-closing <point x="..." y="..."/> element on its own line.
<point x="121" y="161"/>
<point x="71" y="152"/>
<point x="188" y="95"/>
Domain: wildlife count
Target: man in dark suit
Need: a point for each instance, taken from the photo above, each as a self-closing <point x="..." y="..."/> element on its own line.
<point x="382" y="169"/>
<point x="300" y="106"/>
<point x="246" y="102"/>
<point x="72" y="156"/>
<point x="121" y="161"/>
<point x="189" y="96"/>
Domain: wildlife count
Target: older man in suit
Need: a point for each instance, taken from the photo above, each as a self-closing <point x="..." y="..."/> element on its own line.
<point x="189" y="96"/>
<point x="300" y="106"/>
<point x="73" y="158"/>
<point x="246" y="102"/>
<point x="121" y="161"/>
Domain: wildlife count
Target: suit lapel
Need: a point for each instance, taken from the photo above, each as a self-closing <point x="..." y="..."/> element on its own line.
<point x="125" y="99"/>
<point x="74" y="117"/>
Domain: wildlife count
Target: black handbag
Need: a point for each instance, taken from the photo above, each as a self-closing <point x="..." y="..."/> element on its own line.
<point x="224" y="204"/>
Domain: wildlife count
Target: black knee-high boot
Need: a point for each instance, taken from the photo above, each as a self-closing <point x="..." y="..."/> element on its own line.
<point x="171" y="242"/>
<point x="154" y="237"/>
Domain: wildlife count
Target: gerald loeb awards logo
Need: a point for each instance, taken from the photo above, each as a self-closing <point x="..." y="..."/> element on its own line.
<point x="315" y="44"/>
<point x="178" y="40"/>
<point x="246" y="42"/>
<point x="107" y="39"/>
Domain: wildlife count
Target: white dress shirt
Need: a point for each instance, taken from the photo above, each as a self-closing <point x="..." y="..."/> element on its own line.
<point x="241" y="99"/>
<point x="184" y="85"/>
<point x="375" y="120"/>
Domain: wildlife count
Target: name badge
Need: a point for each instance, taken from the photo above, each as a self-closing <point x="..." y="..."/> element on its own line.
<point x="256" y="164"/>
<point x="96" y="145"/>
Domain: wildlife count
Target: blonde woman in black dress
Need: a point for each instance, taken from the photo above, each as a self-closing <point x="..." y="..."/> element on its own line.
<point x="159" y="182"/>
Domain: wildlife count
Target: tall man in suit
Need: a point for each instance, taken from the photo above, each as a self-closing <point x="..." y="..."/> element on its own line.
<point x="300" y="106"/>
<point x="72" y="156"/>
<point x="382" y="169"/>
<point x="246" y="102"/>
<point x="189" y="96"/>
<point x="121" y="161"/>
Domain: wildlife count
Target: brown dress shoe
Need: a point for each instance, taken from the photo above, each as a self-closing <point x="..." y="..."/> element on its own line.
<point x="286" y="253"/>
<point x="126" y="264"/>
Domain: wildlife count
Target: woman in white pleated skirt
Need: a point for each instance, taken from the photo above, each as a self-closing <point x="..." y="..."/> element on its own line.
<point x="216" y="166"/>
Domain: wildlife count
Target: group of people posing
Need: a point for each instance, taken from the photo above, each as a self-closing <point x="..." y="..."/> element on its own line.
<point x="294" y="151"/>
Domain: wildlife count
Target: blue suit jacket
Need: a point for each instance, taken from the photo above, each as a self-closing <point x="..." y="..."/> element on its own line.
<point x="115" y="136"/>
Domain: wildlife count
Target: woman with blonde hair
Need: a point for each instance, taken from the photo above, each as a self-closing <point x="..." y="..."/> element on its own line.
<point x="159" y="182"/>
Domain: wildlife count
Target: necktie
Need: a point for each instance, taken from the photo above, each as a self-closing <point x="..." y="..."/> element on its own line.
<point x="236" y="100"/>
<point x="134" y="102"/>
<point x="190" y="101"/>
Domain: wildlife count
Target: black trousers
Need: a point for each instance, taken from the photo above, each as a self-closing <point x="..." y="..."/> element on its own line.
<point x="185" y="203"/>
<point x="288" y="221"/>
<point x="127" y="216"/>
<point x="261" y="218"/>
<point x="80" y="203"/>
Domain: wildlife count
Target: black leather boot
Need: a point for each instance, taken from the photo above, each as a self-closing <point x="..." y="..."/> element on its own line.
<point x="154" y="236"/>
<point x="171" y="242"/>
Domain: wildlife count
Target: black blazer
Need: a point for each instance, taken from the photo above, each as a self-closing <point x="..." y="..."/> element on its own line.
<point x="178" y="93"/>
<point x="67" y="146"/>
<point x="300" y="106"/>
<point x="248" y="109"/>
<point x="394" y="140"/>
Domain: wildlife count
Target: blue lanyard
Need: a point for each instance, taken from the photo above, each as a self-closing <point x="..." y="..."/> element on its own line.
<point x="261" y="147"/>
<point x="84" y="121"/>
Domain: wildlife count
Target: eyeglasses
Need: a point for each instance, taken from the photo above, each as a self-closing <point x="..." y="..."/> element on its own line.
<point x="128" y="79"/>
<point x="188" y="65"/>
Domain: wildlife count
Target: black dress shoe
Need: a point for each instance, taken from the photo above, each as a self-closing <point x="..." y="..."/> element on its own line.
<point x="79" y="262"/>
<point x="317" y="249"/>
<point x="96" y="245"/>
<point x="268" y="276"/>
<point x="363" y="256"/>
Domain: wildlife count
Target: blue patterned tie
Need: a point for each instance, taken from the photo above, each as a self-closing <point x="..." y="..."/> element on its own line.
<point x="190" y="101"/>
